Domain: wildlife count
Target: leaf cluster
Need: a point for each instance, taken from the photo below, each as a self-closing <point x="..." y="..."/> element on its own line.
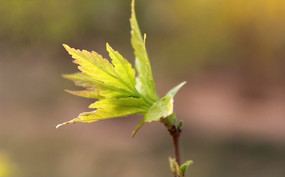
<point x="116" y="87"/>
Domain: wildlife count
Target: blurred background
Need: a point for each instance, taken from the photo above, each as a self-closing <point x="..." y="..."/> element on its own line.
<point x="231" y="53"/>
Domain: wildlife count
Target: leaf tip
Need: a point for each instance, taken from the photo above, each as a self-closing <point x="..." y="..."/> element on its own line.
<point x="182" y="84"/>
<point x="59" y="125"/>
<point x="133" y="13"/>
<point x="133" y="134"/>
<point x="133" y="5"/>
<point x="69" y="91"/>
<point x="65" y="123"/>
<point x="65" y="46"/>
<point x="64" y="75"/>
<point x="109" y="48"/>
<point x="107" y="45"/>
<point x="137" y="128"/>
<point x="174" y="90"/>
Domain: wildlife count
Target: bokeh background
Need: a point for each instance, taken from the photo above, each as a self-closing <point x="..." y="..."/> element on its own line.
<point x="231" y="53"/>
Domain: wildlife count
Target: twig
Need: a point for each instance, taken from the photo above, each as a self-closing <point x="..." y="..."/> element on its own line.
<point x="175" y="133"/>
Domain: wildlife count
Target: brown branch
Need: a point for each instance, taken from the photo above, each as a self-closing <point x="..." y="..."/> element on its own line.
<point x="175" y="133"/>
<point x="175" y="137"/>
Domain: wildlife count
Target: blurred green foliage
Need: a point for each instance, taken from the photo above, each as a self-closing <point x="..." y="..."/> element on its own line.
<point x="246" y="35"/>
<point x="39" y="21"/>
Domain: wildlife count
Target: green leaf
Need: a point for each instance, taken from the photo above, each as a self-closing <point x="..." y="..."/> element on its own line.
<point x="145" y="83"/>
<point x="111" y="108"/>
<point x="160" y="109"/>
<point x="185" y="166"/>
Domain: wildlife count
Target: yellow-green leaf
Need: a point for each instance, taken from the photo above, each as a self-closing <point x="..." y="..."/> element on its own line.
<point x="121" y="106"/>
<point x="145" y="83"/>
<point x="163" y="107"/>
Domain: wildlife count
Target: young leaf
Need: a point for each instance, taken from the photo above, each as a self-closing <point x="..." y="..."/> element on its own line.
<point x="172" y="165"/>
<point x="160" y="109"/>
<point x="145" y="83"/>
<point x="176" y="170"/>
<point x="185" y="166"/>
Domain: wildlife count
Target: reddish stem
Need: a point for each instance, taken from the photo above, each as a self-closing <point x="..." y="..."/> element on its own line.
<point x="175" y="138"/>
<point x="175" y="133"/>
